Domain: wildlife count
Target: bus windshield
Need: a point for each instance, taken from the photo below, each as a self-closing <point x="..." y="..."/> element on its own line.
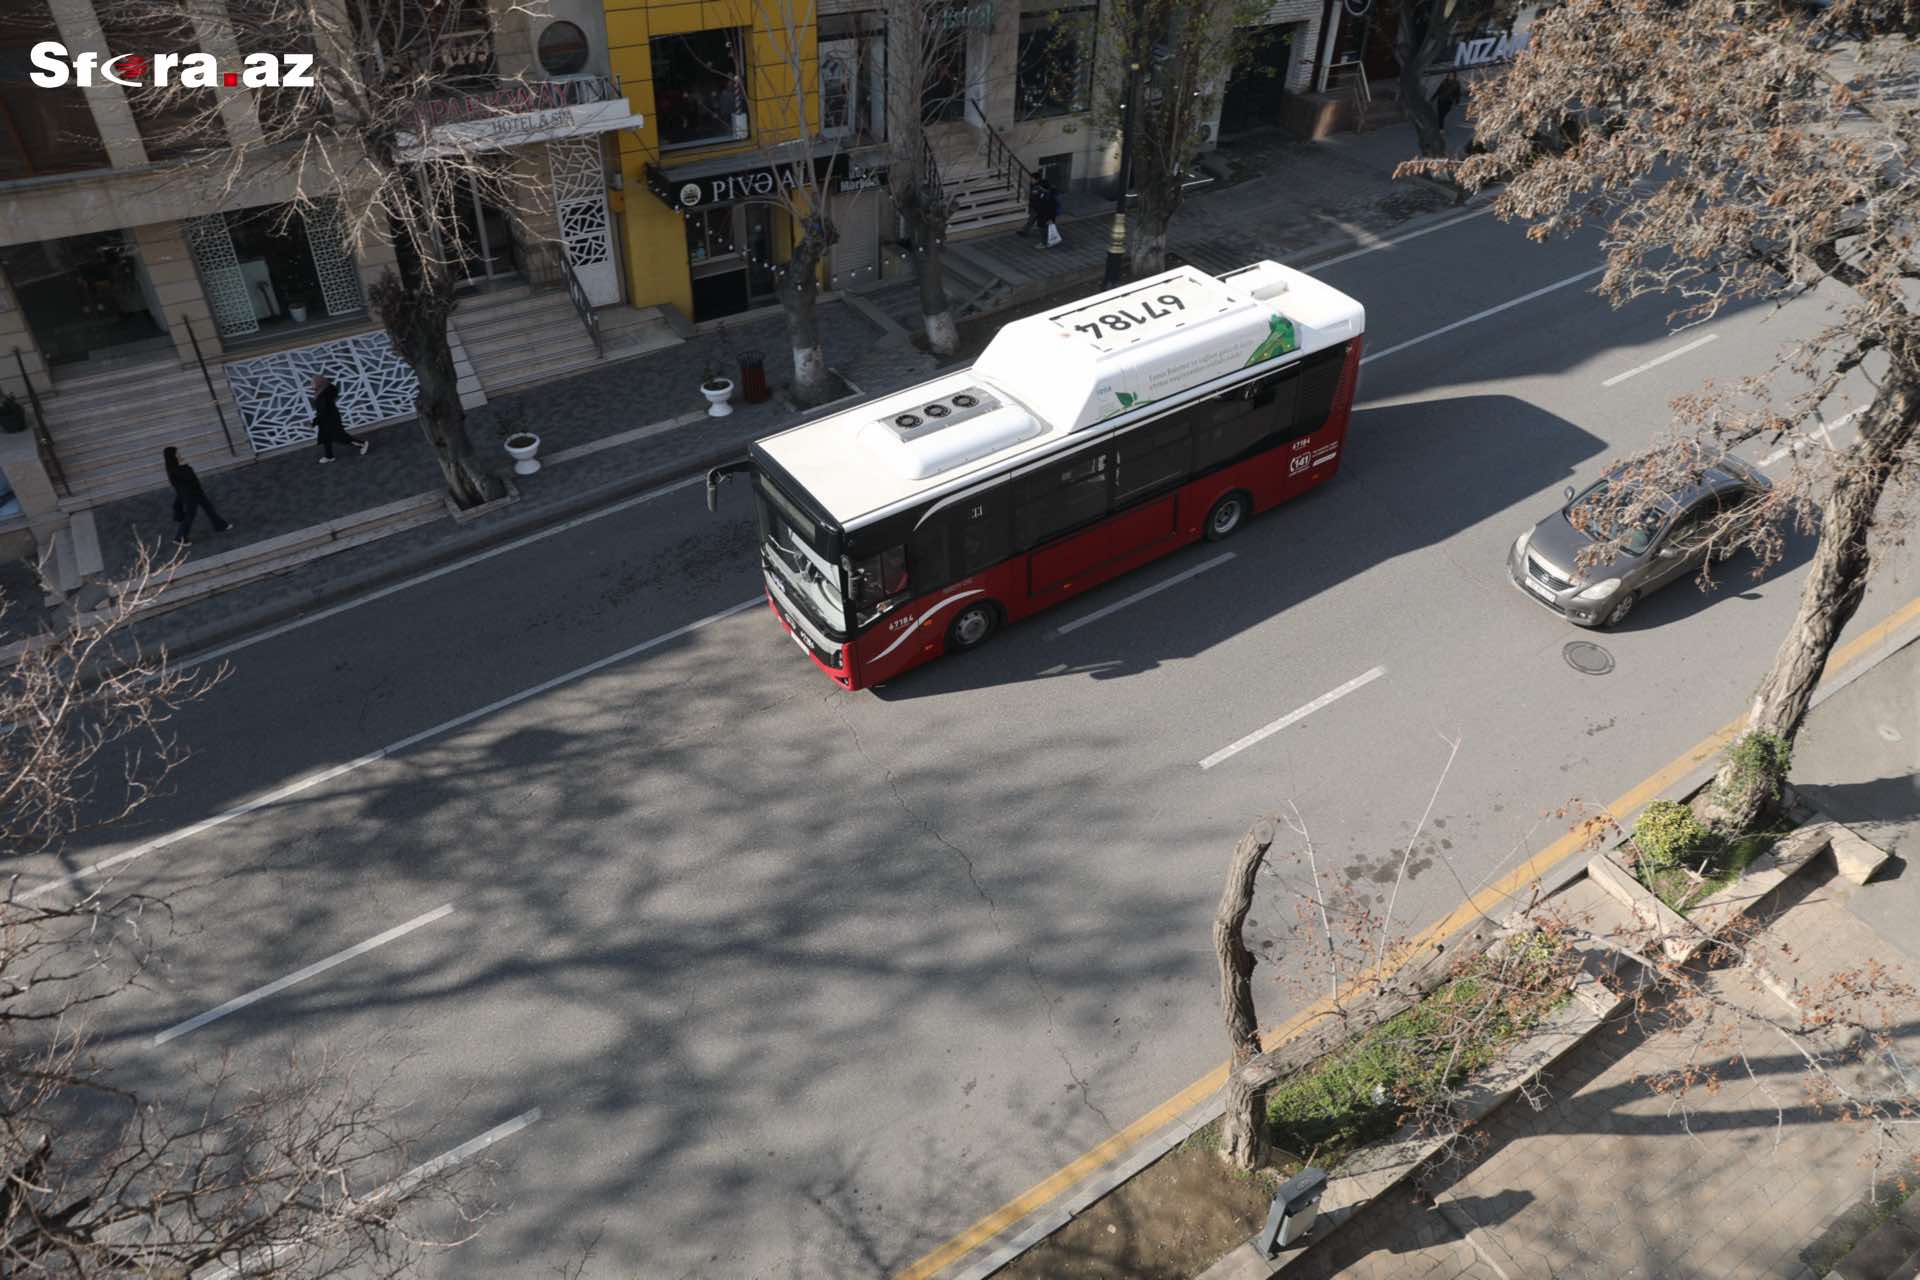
<point x="788" y="548"/>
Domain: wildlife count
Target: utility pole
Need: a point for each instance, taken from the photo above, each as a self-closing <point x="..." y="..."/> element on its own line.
<point x="1117" y="238"/>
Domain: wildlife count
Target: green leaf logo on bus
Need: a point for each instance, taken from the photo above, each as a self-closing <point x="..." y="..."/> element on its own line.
<point x="1280" y="339"/>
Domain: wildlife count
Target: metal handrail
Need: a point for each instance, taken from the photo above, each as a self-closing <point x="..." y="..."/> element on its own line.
<point x="547" y="265"/>
<point x="42" y="438"/>
<point x="1001" y="155"/>
<point x="225" y="430"/>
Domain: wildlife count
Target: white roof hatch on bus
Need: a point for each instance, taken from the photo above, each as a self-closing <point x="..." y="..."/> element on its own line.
<point x="1048" y="376"/>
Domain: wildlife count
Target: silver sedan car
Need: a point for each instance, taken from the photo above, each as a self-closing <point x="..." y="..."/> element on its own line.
<point x="1545" y="560"/>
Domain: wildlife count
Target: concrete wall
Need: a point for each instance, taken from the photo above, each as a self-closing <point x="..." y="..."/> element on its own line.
<point x="15" y="333"/>
<point x="163" y="248"/>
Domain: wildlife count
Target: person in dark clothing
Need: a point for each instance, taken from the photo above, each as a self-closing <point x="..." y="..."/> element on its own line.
<point x="1049" y="210"/>
<point x="325" y="397"/>
<point x="1447" y="97"/>
<point x="189" y="498"/>
<point x="1036" y="206"/>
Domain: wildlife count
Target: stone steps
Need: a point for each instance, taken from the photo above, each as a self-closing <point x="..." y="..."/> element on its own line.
<point x="109" y="429"/>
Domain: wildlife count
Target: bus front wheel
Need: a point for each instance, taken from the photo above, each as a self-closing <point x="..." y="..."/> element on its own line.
<point x="971" y="627"/>
<point x="1227" y="516"/>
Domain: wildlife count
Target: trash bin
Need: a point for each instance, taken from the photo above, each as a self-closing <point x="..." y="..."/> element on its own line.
<point x="753" y="376"/>
<point x="1295" y="1205"/>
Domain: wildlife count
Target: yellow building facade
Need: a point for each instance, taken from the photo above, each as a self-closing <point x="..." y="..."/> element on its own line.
<point x="727" y="89"/>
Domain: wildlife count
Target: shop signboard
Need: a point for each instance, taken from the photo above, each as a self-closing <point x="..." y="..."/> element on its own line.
<point x="687" y="189"/>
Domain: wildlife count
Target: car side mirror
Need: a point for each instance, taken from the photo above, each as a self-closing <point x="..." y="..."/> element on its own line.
<point x="1567" y="493"/>
<point x="1668" y="552"/>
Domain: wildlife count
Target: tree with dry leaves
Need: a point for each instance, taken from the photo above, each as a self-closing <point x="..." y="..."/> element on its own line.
<point x="926" y="84"/>
<point x="364" y="136"/>
<point x="304" y="1174"/>
<point x="1423" y="30"/>
<point x="1732" y="157"/>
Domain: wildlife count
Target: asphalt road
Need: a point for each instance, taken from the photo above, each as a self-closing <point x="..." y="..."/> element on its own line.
<point x="803" y="982"/>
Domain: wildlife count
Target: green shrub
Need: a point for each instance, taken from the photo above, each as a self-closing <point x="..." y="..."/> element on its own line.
<point x="1757" y="763"/>
<point x="1667" y="834"/>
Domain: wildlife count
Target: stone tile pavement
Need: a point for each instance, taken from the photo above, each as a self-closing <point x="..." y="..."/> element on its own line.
<point x="1609" y="1179"/>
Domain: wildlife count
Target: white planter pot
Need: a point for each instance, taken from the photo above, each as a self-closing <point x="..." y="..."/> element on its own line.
<point x="522" y="455"/>
<point x="717" y="406"/>
<point x="299" y="314"/>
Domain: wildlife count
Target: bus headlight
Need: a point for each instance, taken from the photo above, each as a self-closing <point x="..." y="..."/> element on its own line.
<point x="1520" y="545"/>
<point x="1600" y="590"/>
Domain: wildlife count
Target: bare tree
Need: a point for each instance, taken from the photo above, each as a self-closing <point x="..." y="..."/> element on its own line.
<point x="926" y="83"/>
<point x="305" y="1174"/>
<point x="365" y="137"/>
<point x="1730" y="162"/>
<point x="793" y="148"/>
<point x="1164" y="67"/>
<point x="1424" y="29"/>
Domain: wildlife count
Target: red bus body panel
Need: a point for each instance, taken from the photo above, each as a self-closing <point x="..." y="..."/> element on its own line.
<point x="1026" y="583"/>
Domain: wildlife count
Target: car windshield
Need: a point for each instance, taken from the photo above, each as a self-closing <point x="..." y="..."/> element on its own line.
<point x="1596" y="513"/>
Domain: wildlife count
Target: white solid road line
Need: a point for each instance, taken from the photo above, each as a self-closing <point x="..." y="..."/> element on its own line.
<point x="1806" y="437"/>
<point x="392" y="748"/>
<point x="1138" y="596"/>
<point x="1267" y="731"/>
<point x="293" y="979"/>
<point x="1657" y="361"/>
<point x="466" y="562"/>
<point x="1478" y="316"/>
<point x="1364" y="250"/>
<point x="268" y="1257"/>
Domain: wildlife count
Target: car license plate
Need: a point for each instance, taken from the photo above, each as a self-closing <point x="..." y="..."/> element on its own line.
<point x="1537" y="589"/>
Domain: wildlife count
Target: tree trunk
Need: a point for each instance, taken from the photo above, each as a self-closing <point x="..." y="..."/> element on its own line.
<point x="928" y="221"/>
<point x="1149" y="253"/>
<point x="1244" y="1131"/>
<point x="416" y="320"/>
<point x="799" y="298"/>
<point x="1836" y="583"/>
<point x="1423" y="27"/>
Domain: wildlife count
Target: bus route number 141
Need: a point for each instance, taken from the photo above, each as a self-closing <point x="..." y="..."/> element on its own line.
<point x="1120" y="319"/>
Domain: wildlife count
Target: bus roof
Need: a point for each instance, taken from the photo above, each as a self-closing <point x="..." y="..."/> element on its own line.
<point x="1049" y="376"/>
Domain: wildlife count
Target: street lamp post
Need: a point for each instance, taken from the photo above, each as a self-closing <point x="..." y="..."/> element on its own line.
<point x="1117" y="238"/>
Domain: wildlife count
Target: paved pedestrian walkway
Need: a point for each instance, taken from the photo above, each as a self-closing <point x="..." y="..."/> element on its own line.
<point x="1608" y="1178"/>
<point x="1283" y="198"/>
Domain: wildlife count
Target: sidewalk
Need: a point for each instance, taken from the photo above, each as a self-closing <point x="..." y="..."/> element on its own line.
<point x="1608" y="1179"/>
<point x="1286" y="199"/>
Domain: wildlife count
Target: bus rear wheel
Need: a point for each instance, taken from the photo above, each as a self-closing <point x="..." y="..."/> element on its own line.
<point x="1227" y="516"/>
<point x="972" y="626"/>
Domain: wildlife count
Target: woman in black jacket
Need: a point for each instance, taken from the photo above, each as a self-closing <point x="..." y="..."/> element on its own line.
<point x="326" y="416"/>
<point x="188" y="498"/>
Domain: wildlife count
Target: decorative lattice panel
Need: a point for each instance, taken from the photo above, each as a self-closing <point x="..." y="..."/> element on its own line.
<point x="228" y="296"/>
<point x="339" y="277"/>
<point x="271" y="391"/>
<point x="580" y="202"/>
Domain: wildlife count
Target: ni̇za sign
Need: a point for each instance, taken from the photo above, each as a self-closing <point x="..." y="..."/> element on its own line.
<point x="54" y="68"/>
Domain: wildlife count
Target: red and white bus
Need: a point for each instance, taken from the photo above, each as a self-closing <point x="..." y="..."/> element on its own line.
<point x="1083" y="443"/>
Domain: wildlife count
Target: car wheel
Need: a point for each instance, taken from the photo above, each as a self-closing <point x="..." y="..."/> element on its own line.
<point x="1227" y="516"/>
<point x="1621" y="609"/>
<point x="972" y="626"/>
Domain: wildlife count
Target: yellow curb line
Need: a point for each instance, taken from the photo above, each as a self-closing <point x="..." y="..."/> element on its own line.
<point x="1037" y="1196"/>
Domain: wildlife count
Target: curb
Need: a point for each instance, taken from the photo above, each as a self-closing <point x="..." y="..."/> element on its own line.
<point x="490" y="532"/>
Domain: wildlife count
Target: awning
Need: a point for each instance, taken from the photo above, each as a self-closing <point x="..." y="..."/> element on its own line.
<point x="765" y="175"/>
<point x="494" y="133"/>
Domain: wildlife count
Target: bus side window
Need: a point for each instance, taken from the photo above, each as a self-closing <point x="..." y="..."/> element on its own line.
<point x="1319" y="379"/>
<point x="930" y="554"/>
<point x="1225" y="428"/>
<point x="981" y="531"/>
<point x="1153" y="457"/>
<point x="1278" y="398"/>
<point x="1061" y="495"/>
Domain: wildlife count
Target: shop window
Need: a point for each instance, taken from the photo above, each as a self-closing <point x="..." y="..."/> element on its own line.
<point x="1054" y="74"/>
<point x="42" y="131"/>
<point x="450" y="41"/>
<point x="943" y="94"/>
<point x="710" y="234"/>
<point x="87" y="299"/>
<point x="699" y="89"/>
<point x="173" y="121"/>
<point x="853" y="76"/>
<point x="287" y="260"/>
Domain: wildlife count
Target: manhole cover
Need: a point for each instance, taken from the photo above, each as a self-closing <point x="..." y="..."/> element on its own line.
<point x="1587" y="658"/>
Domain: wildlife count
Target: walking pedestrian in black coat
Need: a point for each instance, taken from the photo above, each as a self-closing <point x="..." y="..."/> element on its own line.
<point x="325" y="397"/>
<point x="1447" y="97"/>
<point x="1036" y="209"/>
<point x="188" y="498"/>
